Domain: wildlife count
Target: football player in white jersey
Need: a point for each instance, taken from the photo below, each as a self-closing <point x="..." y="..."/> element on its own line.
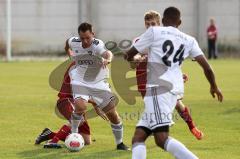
<point x="168" y="48"/>
<point x="89" y="80"/>
<point x="152" y="18"/>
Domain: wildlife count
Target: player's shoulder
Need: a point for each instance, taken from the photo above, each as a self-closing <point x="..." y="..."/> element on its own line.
<point x="158" y="28"/>
<point x="97" y="42"/>
<point x="188" y="36"/>
<point x="189" y="39"/>
<point x="74" y="39"/>
<point x="162" y="30"/>
<point x="136" y="39"/>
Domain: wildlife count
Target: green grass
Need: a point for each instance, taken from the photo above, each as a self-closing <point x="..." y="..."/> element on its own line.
<point x="27" y="106"/>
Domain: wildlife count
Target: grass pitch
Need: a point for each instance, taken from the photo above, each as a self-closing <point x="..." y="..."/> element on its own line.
<point x="27" y="106"/>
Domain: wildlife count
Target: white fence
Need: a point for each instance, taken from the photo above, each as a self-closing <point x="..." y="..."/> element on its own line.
<point x="43" y="25"/>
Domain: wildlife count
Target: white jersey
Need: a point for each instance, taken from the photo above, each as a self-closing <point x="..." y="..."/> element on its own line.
<point x="168" y="47"/>
<point x="88" y="68"/>
<point x="145" y="52"/>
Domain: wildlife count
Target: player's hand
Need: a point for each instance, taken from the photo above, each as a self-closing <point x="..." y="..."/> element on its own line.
<point x="104" y="63"/>
<point x="100" y="113"/>
<point x="185" y="78"/>
<point x="139" y="58"/>
<point x="216" y="92"/>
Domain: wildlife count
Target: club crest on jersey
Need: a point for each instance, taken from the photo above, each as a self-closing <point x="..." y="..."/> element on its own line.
<point x="96" y="42"/>
<point x="90" y="52"/>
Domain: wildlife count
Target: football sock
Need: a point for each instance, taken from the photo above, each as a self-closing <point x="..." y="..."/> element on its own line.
<point x="178" y="150"/>
<point x="185" y="115"/>
<point x="139" y="151"/>
<point x="61" y="134"/>
<point x="76" y="120"/>
<point x="117" y="130"/>
<point x="51" y="135"/>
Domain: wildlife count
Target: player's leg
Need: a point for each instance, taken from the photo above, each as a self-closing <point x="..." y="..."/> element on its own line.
<point x="45" y="135"/>
<point x="116" y="125"/>
<point x="84" y="130"/>
<point x="209" y="49"/>
<point x="65" y="108"/>
<point x="81" y="96"/>
<point x="162" y="104"/>
<point x="186" y="116"/>
<point x="214" y="50"/>
<point x="87" y="138"/>
<point x="183" y="111"/>
<point x="139" y="150"/>
<point x="77" y="117"/>
<point x="103" y="97"/>
<point x="171" y="145"/>
<point x="63" y="132"/>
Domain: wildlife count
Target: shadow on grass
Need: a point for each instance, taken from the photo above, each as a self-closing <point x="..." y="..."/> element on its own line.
<point x="40" y="153"/>
<point x="231" y="111"/>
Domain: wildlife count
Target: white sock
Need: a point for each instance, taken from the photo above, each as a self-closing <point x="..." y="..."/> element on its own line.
<point x="139" y="151"/>
<point x="117" y="130"/>
<point x="76" y="120"/>
<point x="178" y="150"/>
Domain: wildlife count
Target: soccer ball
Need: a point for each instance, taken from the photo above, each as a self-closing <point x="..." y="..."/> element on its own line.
<point x="74" y="142"/>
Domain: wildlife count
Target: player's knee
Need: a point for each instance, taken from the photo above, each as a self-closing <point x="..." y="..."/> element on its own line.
<point x="140" y="135"/>
<point x="137" y="139"/>
<point x="160" y="142"/>
<point x="113" y="116"/>
<point x="80" y="107"/>
<point x="161" y="135"/>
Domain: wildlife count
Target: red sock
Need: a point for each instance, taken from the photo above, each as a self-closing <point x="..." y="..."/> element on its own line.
<point x="187" y="118"/>
<point x="51" y="135"/>
<point x="61" y="134"/>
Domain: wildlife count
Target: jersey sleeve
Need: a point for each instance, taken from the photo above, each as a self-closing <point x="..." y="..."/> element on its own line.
<point x="100" y="46"/>
<point x="72" y="41"/>
<point x="195" y="49"/>
<point x="69" y="41"/>
<point x="145" y="41"/>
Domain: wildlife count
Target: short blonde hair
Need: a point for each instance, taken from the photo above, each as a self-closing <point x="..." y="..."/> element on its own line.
<point x="149" y="15"/>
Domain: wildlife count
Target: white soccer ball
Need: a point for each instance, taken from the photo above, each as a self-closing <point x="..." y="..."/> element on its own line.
<point x="74" y="142"/>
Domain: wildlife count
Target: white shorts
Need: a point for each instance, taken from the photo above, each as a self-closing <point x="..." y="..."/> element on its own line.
<point x="159" y="109"/>
<point x="99" y="92"/>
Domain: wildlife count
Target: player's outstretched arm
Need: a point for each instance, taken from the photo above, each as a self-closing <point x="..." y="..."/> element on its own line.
<point x="208" y="71"/>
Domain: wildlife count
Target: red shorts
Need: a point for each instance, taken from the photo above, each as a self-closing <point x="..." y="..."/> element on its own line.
<point x="142" y="89"/>
<point x="141" y="75"/>
<point x="65" y="107"/>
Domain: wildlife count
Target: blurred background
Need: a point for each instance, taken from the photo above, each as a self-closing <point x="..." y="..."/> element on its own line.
<point x="40" y="27"/>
